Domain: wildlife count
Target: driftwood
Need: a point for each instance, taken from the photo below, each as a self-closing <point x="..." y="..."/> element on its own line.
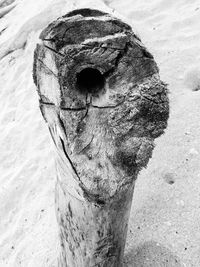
<point x="102" y="98"/>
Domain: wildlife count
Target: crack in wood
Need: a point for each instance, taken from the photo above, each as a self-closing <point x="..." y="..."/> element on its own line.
<point x="53" y="50"/>
<point x="72" y="109"/>
<point x="87" y="45"/>
<point x="86" y="146"/>
<point x="151" y="99"/>
<point x="82" y="108"/>
<point x="46" y="103"/>
<point x="70" y="161"/>
<point x="117" y="61"/>
<point x="65" y="189"/>
<point x="56" y="76"/>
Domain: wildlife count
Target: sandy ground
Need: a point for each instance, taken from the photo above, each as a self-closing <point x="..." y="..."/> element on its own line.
<point x="164" y="228"/>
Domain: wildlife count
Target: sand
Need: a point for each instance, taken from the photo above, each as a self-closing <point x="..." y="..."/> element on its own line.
<point x="164" y="227"/>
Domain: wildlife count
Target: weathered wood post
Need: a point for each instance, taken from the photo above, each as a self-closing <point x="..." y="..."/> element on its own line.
<point x="102" y="98"/>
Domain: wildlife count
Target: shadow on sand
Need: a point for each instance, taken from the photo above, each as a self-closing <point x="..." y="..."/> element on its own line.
<point x="151" y="254"/>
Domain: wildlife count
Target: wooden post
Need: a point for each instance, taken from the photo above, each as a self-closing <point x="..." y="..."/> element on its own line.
<point x="102" y="98"/>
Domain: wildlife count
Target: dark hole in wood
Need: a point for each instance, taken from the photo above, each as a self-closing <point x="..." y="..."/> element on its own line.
<point x="90" y="80"/>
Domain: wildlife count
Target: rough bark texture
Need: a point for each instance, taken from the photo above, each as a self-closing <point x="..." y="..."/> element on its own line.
<point x="102" y="98"/>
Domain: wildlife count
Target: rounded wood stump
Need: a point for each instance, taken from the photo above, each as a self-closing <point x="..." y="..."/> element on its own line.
<point x="102" y="98"/>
